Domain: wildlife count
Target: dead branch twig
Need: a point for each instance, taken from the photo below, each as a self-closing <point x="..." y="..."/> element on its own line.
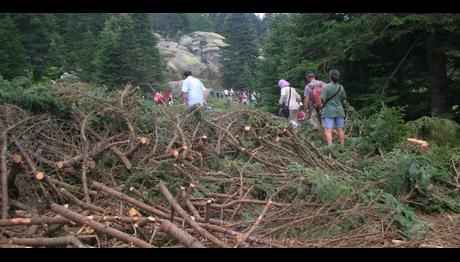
<point x="82" y="220"/>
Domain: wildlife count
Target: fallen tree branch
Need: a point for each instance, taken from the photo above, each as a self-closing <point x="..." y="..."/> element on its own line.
<point x="243" y="201"/>
<point x="80" y="203"/>
<point x="178" y="234"/>
<point x="122" y="157"/>
<point x="256" y="224"/>
<point x="34" y="221"/>
<point x="129" y="199"/>
<point x="187" y="218"/>
<point x="141" y="221"/>
<point x="49" y="242"/>
<point x="83" y="220"/>
<point x="99" y="148"/>
<point x="3" y="164"/>
<point x="39" y="175"/>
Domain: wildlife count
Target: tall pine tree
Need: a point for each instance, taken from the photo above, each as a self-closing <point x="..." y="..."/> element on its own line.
<point x="12" y="53"/>
<point x="148" y="63"/>
<point x="36" y="37"/>
<point x="273" y="54"/>
<point x="113" y="57"/>
<point x="239" y="57"/>
<point x="127" y="52"/>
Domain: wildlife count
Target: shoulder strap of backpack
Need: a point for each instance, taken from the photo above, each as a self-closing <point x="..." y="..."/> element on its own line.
<point x="289" y="99"/>
<point x="329" y="99"/>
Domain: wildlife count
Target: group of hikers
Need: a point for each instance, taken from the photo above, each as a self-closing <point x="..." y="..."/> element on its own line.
<point x="325" y="102"/>
<point x="245" y="97"/>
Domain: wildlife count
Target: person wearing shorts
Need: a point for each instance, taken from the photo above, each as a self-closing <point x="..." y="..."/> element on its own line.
<point x="333" y="114"/>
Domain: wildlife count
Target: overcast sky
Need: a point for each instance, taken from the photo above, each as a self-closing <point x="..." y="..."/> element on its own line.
<point x="261" y="15"/>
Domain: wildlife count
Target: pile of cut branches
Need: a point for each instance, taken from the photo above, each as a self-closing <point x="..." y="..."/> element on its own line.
<point x="122" y="172"/>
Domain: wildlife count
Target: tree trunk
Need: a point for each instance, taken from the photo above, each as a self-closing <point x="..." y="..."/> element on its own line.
<point x="437" y="66"/>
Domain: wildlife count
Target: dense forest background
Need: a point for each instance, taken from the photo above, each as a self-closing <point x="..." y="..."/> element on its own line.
<point x="406" y="60"/>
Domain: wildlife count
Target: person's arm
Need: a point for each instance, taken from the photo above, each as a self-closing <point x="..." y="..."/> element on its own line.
<point x="283" y="94"/>
<point x="306" y="99"/>
<point x="205" y="94"/>
<point x="305" y="102"/>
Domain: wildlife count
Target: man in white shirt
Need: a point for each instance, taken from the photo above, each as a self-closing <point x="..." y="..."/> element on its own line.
<point x="192" y="91"/>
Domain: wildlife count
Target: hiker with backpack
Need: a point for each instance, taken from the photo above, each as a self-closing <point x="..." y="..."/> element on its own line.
<point x="312" y="96"/>
<point x="333" y="97"/>
<point x="289" y="102"/>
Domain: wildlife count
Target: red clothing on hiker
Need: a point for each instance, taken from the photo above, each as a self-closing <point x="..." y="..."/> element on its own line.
<point x="158" y="98"/>
<point x="167" y="95"/>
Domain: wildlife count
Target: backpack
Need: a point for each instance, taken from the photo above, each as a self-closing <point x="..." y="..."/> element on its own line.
<point x="316" y="97"/>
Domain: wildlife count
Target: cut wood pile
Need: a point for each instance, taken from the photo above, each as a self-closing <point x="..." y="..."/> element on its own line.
<point x="117" y="173"/>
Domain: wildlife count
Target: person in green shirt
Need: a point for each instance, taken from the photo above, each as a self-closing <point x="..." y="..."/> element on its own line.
<point x="333" y="96"/>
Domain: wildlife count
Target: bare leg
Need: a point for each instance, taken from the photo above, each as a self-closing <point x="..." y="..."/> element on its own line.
<point x="328" y="133"/>
<point x="341" y="136"/>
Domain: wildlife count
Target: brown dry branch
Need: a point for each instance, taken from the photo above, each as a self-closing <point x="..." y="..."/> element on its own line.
<point x="187" y="218"/>
<point x="80" y="203"/>
<point x="259" y="219"/>
<point x="49" y="242"/>
<point x="128" y="199"/>
<point x="83" y="220"/>
<point x="183" y="237"/>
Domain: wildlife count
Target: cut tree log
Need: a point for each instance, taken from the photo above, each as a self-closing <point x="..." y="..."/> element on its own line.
<point x="34" y="221"/>
<point x="192" y="209"/>
<point x="39" y="175"/>
<point x="84" y="220"/>
<point x="49" y="242"/>
<point x="17" y="158"/>
<point x="3" y="164"/>
<point x="187" y="218"/>
<point x="80" y="203"/>
<point x="99" y="148"/>
<point x="178" y="234"/>
<point x="141" y="221"/>
<point x="179" y="199"/>
<point x="153" y="210"/>
<point x="207" y="209"/>
<point x="141" y="141"/>
<point x="128" y="199"/>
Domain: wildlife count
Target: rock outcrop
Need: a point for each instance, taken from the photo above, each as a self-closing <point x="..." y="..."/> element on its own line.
<point x="199" y="52"/>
